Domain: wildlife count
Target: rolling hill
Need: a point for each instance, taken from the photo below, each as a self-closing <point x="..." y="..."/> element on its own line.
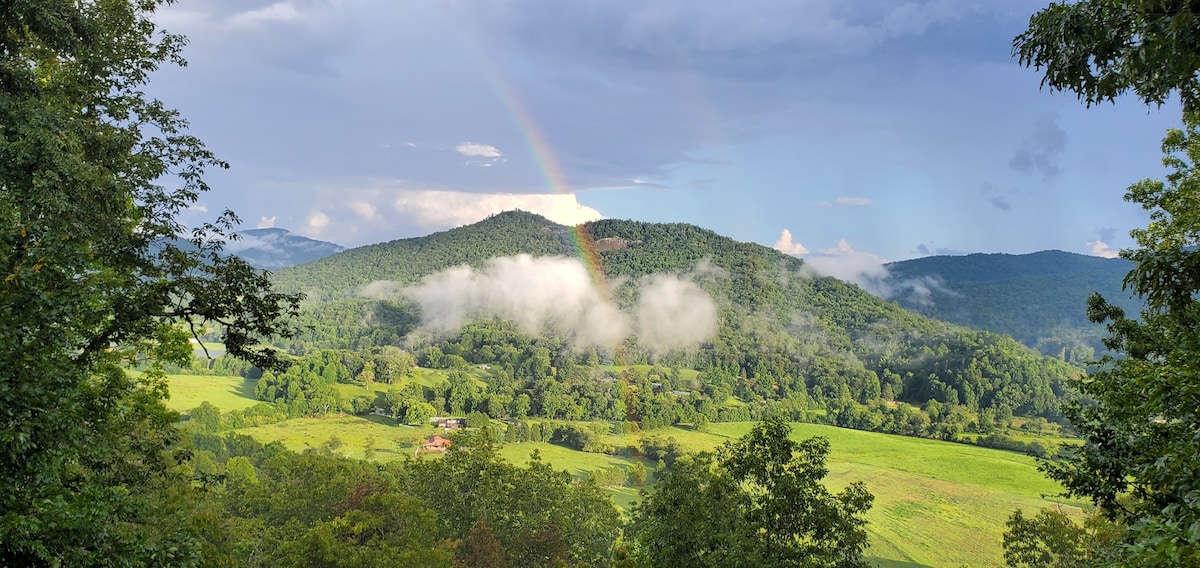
<point x="1037" y="298"/>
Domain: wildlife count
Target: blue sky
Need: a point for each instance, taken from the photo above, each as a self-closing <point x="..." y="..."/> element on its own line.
<point x="870" y="131"/>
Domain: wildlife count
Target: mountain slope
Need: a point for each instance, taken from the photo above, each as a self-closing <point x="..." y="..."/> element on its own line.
<point x="782" y="332"/>
<point x="1037" y="298"/>
<point x="406" y="260"/>
<point x="272" y="249"/>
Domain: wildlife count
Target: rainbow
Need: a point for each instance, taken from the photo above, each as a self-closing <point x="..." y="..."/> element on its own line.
<point x="547" y="163"/>
<point x="555" y="178"/>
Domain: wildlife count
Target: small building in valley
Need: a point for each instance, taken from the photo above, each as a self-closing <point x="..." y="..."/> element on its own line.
<point x="435" y="444"/>
<point x="449" y="422"/>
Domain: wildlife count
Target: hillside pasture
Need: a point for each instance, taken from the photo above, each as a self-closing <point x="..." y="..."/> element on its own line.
<point x="392" y="441"/>
<point x="226" y="393"/>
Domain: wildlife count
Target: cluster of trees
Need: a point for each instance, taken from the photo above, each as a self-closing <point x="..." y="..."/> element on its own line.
<point x="758" y="501"/>
<point x="266" y="506"/>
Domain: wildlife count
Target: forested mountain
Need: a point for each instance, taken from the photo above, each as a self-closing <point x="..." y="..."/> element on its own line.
<point x="1037" y="298"/>
<point x="783" y="334"/>
<point x="407" y="260"/>
<point x="272" y="249"/>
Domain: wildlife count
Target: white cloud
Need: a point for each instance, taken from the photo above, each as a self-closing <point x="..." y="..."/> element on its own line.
<point x="317" y="223"/>
<point x="265" y="222"/>
<point x="455" y="208"/>
<point x="482" y="155"/>
<point x="201" y="207"/>
<point x="785" y="245"/>
<point x="364" y="209"/>
<point x="845" y="263"/>
<point x="473" y="150"/>
<point x="672" y="312"/>
<point x="277" y="12"/>
<point x="1102" y="249"/>
<point x="846" y="202"/>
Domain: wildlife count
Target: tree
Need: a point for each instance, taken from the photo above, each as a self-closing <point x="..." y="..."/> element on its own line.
<point x="369" y="448"/>
<point x="418" y="414"/>
<point x="758" y="501"/>
<point x="93" y="276"/>
<point x="1138" y="462"/>
<point x="1099" y="49"/>
<point x="1051" y="539"/>
<point x="206" y="417"/>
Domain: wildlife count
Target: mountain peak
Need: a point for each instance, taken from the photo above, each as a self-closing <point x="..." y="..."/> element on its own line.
<point x="275" y="248"/>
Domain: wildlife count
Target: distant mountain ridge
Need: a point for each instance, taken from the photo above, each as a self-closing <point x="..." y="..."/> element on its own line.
<point x="1037" y="298"/>
<point x="273" y="249"/>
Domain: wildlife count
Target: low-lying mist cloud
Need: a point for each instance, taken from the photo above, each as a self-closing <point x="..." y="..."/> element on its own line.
<point x="558" y="292"/>
<point x="674" y="313"/>
<point x="864" y="269"/>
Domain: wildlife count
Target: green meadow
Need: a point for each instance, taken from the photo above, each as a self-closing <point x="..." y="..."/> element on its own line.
<point x="226" y="393"/>
<point x="392" y="441"/>
<point x="936" y="503"/>
<point x="685" y="374"/>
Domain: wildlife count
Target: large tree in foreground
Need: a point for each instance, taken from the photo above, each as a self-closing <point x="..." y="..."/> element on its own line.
<point x="1140" y="420"/>
<point x="93" y="175"/>
<point x="759" y="501"/>
<point x="1100" y="49"/>
<point x="1140" y="462"/>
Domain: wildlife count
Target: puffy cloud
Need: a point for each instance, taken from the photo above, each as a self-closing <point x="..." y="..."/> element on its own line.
<point x="473" y="150"/>
<point x="1102" y="249"/>
<point x="785" y="245"/>
<point x="484" y="155"/>
<point x="845" y="263"/>
<point x="437" y="208"/>
<point x="672" y="312"/>
<point x="846" y="202"/>
<point x="317" y="222"/>
<point x="364" y="209"/>
<point x="1041" y="152"/>
<point x="265" y="222"/>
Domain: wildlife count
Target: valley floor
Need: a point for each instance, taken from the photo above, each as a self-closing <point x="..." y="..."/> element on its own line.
<point x="936" y="503"/>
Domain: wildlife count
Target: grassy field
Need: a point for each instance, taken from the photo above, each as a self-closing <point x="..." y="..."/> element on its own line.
<point x="936" y="503"/>
<point x="392" y="441"/>
<point x="226" y="393"/>
<point x="685" y="374"/>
